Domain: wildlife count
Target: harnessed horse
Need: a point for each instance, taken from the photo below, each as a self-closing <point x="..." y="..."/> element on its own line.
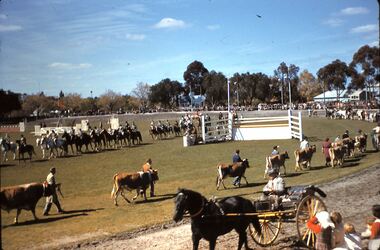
<point x="210" y="219"/>
<point x="5" y="147"/>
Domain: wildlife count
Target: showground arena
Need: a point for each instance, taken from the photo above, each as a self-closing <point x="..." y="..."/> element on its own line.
<point x="87" y="179"/>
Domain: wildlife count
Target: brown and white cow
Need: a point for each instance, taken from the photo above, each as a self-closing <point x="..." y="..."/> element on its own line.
<point x="303" y="157"/>
<point x="139" y="181"/>
<point x="337" y="155"/>
<point x="232" y="170"/>
<point x="23" y="197"/>
<point x="276" y="161"/>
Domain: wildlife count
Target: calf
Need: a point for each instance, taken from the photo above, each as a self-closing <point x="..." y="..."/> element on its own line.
<point x="233" y="170"/>
<point x="23" y="197"/>
<point x="303" y="157"/>
<point x="276" y="161"/>
<point x="139" y="181"/>
<point x="361" y="143"/>
<point x="337" y="155"/>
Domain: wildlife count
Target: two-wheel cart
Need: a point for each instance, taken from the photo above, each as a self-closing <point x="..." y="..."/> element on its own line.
<point x="298" y="205"/>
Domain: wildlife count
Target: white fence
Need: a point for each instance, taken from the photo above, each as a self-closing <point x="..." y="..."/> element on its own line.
<point x="253" y="128"/>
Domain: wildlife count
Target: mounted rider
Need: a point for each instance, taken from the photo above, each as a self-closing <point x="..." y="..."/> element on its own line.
<point x="7" y="141"/>
<point x="23" y="140"/>
<point x="133" y="127"/>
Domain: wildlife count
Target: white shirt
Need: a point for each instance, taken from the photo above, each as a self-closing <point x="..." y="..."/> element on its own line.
<point x="277" y="184"/>
<point x="353" y="241"/>
<point x="304" y="144"/>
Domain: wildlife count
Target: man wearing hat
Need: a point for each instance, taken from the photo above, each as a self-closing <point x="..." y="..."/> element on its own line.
<point x="54" y="197"/>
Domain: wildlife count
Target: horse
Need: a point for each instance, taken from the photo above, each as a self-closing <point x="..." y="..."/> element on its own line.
<point x="83" y="139"/>
<point x="135" y="136"/>
<point x="209" y="219"/>
<point x="96" y="138"/>
<point x="47" y="143"/>
<point x="70" y="140"/>
<point x="22" y="149"/>
<point x="5" y="147"/>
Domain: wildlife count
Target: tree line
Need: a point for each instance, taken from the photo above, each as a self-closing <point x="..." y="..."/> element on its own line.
<point x="246" y="89"/>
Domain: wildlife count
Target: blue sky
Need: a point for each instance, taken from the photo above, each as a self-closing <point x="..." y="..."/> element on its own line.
<point x="93" y="45"/>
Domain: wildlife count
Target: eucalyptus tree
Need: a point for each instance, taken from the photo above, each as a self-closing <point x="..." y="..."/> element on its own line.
<point x="215" y="86"/>
<point x="165" y="93"/>
<point x="287" y="77"/>
<point x="365" y="68"/>
<point x="309" y="86"/>
<point x="193" y="76"/>
<point x="334" y="76"/>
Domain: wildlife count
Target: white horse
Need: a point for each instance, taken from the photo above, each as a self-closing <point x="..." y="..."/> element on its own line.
<point x="5" y="147"/>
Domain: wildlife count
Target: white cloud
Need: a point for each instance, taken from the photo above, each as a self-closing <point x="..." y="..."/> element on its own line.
<point x="365" y="28"/>
<point x="5" y="28"/>
<point x="213" y="27"/>
<point x="334" y="22"/>
<point x="135" y="37"/>
<point x="2" y="16"/>
<point x="374" y="43"/>
<point x="168" y="22"/>
<point x="354" y="11"/>
<point x="65" y="66"/>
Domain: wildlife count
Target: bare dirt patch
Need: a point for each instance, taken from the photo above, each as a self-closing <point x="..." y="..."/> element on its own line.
<point x="352" y="196"/>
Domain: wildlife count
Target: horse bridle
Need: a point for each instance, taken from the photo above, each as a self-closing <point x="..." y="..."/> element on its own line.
<point x="200" y="210"/>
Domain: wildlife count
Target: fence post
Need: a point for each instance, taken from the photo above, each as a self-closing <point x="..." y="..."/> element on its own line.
<point x="203" y="128"/>
<point x="230" y="123"/>
<point x="290" y="122"/>
<point x="300" y="125"/>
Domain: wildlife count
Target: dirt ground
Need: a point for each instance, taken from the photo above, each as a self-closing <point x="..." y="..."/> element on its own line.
<point x="352" y="196"/>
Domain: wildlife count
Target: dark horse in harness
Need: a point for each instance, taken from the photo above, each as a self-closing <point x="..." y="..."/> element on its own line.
<point x="209" y="219"/>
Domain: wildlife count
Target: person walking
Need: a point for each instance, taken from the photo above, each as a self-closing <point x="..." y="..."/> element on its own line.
<point x="235" y="159"/>
<point x="147" y="168"/>
<point x="53" y="198"/>
<point x="326" y="145"/>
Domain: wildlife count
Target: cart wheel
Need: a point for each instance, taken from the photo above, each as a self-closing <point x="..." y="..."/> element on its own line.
<point x="307" y="208"/>
<point x="270" y="228"/>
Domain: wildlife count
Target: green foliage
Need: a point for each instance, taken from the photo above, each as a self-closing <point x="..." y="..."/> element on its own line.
<point x="193" y="76"/>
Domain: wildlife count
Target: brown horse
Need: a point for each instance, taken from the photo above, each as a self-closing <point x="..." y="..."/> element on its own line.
<point x="232" y="170"/>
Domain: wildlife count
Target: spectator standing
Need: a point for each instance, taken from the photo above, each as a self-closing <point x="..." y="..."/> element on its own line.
<point x="338" y="231"/>
<point x="322" y="226"/>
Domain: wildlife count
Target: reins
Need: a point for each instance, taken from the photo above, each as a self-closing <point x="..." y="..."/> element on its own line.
<point x="200" y="210"/>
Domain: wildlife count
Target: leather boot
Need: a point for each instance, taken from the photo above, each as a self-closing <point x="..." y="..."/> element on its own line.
<point x="47" y="209"/>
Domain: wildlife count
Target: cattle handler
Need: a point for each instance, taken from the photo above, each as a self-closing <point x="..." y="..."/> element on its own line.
<point x="274" y="188"/>
<point x="147" y="167"/>
<point x="54" y="197"/>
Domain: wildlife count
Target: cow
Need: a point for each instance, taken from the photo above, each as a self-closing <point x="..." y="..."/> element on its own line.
<point x="139" y="181"/>
<point x="349" y="146"/>
<point x="24" y="196"/>
<point x="337" y="155"/>
<point x="361" y="143"/>
<point x="232" y="170"/>
<point x="303" y="157"/>
<point x="276" y="161"/>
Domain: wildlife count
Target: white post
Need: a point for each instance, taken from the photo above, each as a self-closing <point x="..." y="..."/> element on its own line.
<point x="290" y="122"/>
<point x="230" y="122"/>
<point x="203" y="129"/>
<point x="228" y="96"/>
<point x="300" y="125"/>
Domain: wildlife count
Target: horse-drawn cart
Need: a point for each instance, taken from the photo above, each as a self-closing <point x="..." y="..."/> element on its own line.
<point x="297" y="206"/>
<point x="210" y="218"/>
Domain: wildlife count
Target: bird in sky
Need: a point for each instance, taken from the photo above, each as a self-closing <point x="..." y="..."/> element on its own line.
<point x="258" y="16"/>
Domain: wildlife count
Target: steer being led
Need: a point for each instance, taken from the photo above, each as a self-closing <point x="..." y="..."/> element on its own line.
<point x="232" y="170"/>
<point x="130" y="181"/>
<point x="303" y="157"/>
<point x="24" y="197"/>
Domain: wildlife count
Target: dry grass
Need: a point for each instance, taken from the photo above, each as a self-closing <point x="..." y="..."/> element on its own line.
<point x="87" y="182"/>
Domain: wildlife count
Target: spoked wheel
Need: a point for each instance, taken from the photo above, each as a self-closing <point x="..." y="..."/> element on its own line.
<point x="307" y="208"/>
<point x="270" y="228"/>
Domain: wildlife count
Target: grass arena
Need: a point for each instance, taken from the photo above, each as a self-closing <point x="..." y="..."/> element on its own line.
<point x="87" y="179"/>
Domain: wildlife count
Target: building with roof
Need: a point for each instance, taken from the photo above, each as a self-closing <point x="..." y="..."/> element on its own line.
<point x="331" y="96"/>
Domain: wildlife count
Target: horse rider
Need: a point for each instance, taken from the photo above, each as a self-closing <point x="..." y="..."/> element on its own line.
<point x="275" y="150"/>
<point x="152" y="125"/>
<point x="345" y="135"/>
<point x="274" y="188"/>
<point x="7" y="140"/>
<point x="147" y="168"/>
<point x="304" y="143"/>
<point x="50" y="179"/>
<point x="23" y="140"/>
<point x="235" y="159"/>
<point x="134" y="127"/>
